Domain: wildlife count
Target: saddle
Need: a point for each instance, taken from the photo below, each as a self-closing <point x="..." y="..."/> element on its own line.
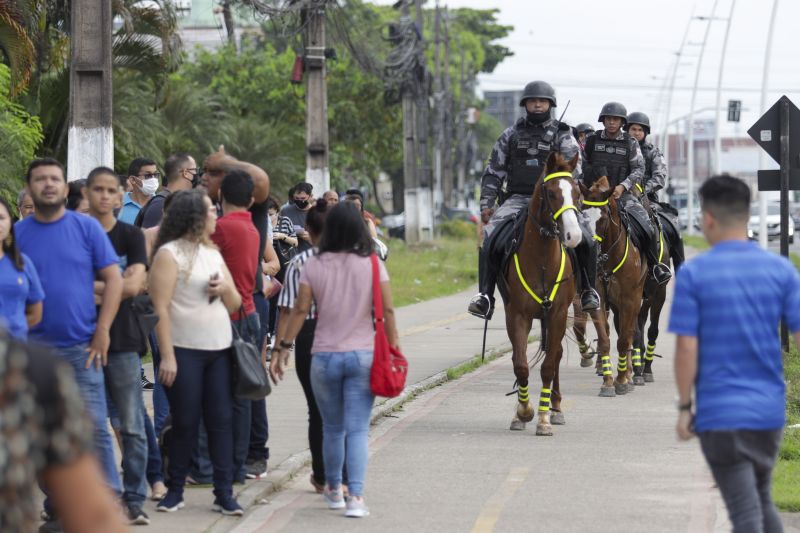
<point x="503" y="244"/>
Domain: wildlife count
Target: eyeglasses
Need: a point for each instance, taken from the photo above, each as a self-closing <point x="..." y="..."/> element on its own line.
<point x="150" y="175"/>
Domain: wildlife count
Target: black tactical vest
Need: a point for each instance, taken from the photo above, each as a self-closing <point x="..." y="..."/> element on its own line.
<point x="611" y="154"/>
<point x="527" y="154"/>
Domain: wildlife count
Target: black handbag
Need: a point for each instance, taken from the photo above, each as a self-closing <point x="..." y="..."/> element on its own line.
<point x="250" y="380"/>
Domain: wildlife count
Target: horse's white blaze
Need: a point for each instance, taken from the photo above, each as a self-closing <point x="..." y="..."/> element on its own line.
<point x="569" y="219"/>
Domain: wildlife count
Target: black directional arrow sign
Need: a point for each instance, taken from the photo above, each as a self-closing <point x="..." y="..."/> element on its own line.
<point x="766" y="132"/>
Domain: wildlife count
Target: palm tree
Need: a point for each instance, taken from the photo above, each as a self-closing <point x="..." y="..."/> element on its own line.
<point x="15" y="43"/>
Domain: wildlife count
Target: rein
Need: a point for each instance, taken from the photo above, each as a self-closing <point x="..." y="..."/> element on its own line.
<point x="599" y="239"/>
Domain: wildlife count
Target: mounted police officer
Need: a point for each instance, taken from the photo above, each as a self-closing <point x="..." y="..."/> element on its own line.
<point x="583" y="131"/>
<point x="517" y="161"/>
<point x="613" y="153"/>
<point x="655" y="178"/>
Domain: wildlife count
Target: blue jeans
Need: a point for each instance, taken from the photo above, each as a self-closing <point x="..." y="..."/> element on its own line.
<point x="124" y="390"/>
<point x="341" y="387"/>
<point x="249" y="329"/>
<point x="154" y="464"/>
<point x="259" y="425"/>
<point x="202" y="389"/>
<point x="92" y="387"/>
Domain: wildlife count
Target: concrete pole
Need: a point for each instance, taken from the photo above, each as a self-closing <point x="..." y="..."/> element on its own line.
<point x="690" y="133"/>
<point x="763" y="239"/>
<point x="317" y="151"/>
<point x="423" y="126"/>
<point x="717" y="123"/>
<point x="447" y="121"/>
<point x="90" y="137"/>
<point x="438" y="121"/>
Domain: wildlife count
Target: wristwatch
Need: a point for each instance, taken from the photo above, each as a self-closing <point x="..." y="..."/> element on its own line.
<point x="286" y="345"/>
<point x="685" y="406"/>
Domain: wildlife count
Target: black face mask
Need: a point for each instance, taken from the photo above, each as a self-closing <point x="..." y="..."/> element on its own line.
<point x="301" y="204"/>
<point x="538" y="118"/>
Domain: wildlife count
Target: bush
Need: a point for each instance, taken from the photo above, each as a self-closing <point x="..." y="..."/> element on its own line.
<point x="458" y="229"/>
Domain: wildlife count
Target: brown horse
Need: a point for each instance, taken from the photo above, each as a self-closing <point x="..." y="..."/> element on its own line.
<point x="541" y="285"/>
<point x="622" y="273"/>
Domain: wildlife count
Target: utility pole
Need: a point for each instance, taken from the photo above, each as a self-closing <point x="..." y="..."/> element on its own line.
<point x="227" y="17"/>
<point x="91" y="137"/>
<point x="447" y="119"/>
<point x="438" y="122"/>
<point x="462" y="128"/>
<point x="317" y="152"/>
<point x="423" y="126"/>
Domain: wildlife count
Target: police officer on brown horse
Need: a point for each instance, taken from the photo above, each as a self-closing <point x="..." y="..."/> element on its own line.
<point x="613" y="153"/>
<point x="514" y="169"/>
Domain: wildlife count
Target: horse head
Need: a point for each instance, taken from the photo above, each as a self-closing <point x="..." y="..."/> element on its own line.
<point x="558" y="199"/>
<point x="598" y="204"/>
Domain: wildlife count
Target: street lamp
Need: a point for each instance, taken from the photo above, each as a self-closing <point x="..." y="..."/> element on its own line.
<point x="690" y="140"/>
<point x="717" y="128"/>
<point x="762" y="196"/>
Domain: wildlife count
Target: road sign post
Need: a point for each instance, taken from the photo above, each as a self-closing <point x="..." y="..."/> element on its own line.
<point x="774" y="132"/>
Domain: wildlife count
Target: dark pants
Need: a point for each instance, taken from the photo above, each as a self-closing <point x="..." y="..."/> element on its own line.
<point x="202" y="469"/>
<point x="302" y="361"/>
<point x="259" y="425"/>
<point x="742" y="463"/>
<point x="160" y="402"/>
<point x="202" y="388"/>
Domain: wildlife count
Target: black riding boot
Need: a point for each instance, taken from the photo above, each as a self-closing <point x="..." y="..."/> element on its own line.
<point x="660" y="271"/>
<point x="482" y="304"/>
<point x="586" y="253"/>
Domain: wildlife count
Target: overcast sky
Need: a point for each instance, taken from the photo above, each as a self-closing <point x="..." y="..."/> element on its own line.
<point x="593" y="52"/>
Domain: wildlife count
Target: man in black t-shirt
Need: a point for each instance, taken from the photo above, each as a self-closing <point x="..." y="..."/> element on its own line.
<point x="122" y="373"/>
<point x="181" y="173"/>
<point x="297" y="210"/>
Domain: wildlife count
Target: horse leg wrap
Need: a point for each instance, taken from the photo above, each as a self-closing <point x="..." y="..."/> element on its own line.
<point x="622" y="363"/>
<point x="637" y="358"/>
<point x="606" y="364"/>
<point x="583" y="347"/>
<point x="522" y="394"/>
<point x="651" y="350"/>
<point x="544" y="400"/>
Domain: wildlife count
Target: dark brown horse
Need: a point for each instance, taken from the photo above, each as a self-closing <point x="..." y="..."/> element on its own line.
<point x="541" y="285"/>
<point x="622" y="273"/>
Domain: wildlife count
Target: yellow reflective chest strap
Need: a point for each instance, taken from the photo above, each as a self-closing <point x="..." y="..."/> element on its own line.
<point x="624" y="257"/>
<point x="660" y="246"/>
<point x="559" y="279"/>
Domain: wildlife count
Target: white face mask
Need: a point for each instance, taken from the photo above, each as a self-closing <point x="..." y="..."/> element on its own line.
<point x="149" y="186"/>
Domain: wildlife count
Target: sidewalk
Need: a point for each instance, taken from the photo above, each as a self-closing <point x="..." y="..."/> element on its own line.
<point x="435" y="335"/>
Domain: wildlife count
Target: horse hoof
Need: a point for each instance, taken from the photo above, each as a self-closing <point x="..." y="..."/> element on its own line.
<point x="525" y="412"/>
<point x="607" y="392"/>
<point x="557" y="418"/>
<point x="638" y="380"/>
<point x="517" y="425"/>
<point x="648" y="377"/>
<point x="631" y="386"/>
<point x="621" y="388"/>
<point x="544" y="431"/>
<point x="586" y="362"/>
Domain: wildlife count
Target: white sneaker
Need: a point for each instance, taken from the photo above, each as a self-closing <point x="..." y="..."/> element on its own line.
<point x="334" y="498"/>
<point x="356" y="508"/>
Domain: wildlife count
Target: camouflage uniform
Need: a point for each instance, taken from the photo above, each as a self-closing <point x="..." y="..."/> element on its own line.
<point x="497" y="170"/>
<point x="655" y="174"/>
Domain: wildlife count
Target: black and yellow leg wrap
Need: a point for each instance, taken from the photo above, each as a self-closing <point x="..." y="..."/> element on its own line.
<point x="606" y="365"/>
<point x="544" y="400"/>
<point x="622" y="363"/>
<point x="651" y="351"/>
<point x="637" y="357"/>
<point x="522" y="394"/>
<point x="583" y="347"/>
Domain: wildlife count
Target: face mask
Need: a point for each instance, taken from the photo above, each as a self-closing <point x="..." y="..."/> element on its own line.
<point x="149" y="186"/>
<point x="301" y="204"/>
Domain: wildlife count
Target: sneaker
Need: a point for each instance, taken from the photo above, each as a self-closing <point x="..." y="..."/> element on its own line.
<point x="146" y="384"/>
<point x="356" y="508"/>
<point x="137" y="517"/>
<point x="255" y="469"/>
<point x="170" y="503"/>
<point x="318" y="487"/>
<point x="227" y="506"/>
<point x="334" y="498"/>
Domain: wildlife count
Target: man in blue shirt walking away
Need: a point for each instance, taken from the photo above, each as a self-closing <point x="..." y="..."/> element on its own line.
<point x="727" y="306"/>
<point x="70" y="251"/>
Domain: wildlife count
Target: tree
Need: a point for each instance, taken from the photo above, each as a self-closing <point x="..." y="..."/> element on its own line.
<point x="15" y="44"/>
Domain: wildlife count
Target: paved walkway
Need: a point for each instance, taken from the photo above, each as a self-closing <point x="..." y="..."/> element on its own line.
<point x="435" y="335"/>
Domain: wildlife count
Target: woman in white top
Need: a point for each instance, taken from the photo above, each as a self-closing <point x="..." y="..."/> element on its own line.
<point x="193" y="294"/>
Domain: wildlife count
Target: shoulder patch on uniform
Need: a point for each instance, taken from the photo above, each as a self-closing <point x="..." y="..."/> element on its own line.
<point x="622" y="151"/>
<point x="599" y="147"/>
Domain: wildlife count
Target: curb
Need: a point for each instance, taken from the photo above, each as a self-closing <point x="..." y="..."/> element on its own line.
<point x="286" y="470"/>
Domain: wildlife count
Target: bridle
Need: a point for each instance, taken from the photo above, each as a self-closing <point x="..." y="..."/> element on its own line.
<point x="604" y="205"/>
<point x="550" y="229"/>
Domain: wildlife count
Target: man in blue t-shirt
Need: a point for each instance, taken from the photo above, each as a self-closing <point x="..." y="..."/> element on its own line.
<point x="727" y="306"/>
<point x="70" y="251"/>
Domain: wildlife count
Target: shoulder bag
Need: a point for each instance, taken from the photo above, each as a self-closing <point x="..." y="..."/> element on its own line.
<point x="389" y="366"/>
<point x="250" y="379"/>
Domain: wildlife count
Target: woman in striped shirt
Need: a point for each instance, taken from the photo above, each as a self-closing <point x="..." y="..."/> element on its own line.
<point x="314" y="224"/>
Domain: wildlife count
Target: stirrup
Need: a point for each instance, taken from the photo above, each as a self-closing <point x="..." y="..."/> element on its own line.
<point x="590" y="300"/>
<point x="661" y="273"/>
<point x="481" y="307"/>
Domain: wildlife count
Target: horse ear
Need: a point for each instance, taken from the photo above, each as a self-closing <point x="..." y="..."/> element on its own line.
<point x="607" y="194"/>
<point x="584" y="189"/>
<point x="602" y="184"/>
<point x="552" y="161"/>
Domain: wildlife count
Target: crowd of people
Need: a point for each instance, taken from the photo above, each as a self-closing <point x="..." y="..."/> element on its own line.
<point x="97" y="273"/>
